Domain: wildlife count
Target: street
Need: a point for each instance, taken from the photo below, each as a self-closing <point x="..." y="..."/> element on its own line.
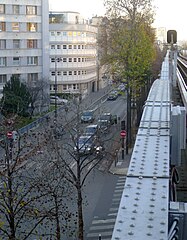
<point x="103" y="194"/>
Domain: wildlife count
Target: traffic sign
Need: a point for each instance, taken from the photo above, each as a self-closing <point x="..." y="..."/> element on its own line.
<point x="123" y="133"/>
<point x="9" y="134"/>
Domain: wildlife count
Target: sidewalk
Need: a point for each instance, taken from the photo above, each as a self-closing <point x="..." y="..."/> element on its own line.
<point x="120" y="167"/>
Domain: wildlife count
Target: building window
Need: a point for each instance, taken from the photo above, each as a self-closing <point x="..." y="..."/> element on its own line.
<point x="70" y="73"/>
<point x="31" y="10"/>
<point x="2" y="44"/>
<point x="75" y="72"/>
<point x="2" y="26"/>
<point x="64" y="59"/>
<point x="59" y="73"/>
<point x="64" y="87"/>
<point x="15" y="27"/>
<point x="70" y="46"/>
<point x="70" y="34"/>
<point x="16" y="61"/>
<point x="64" y="46"/>
<point x="15" y="9"/>
<point x="79" y="46"/>
<point x="2" y="8"/>
<point x="75" y="59"/>
<point x="58" y="46"/>
<point x="16" y="43"/>
<point x="58" y="33"/>
<point x="74" y="46"/>
<point x="64" y="33"/>
<point x="32" y="77"/>
<point x="54" y="87"/>
<point x="17" y="76"/>
<point x="2" y="61"/>
<point x="53" y="74"/>
<point x="74" y="86"/>
<point x="65" y="73"/>
<point x="58" y="59"/>
<point x="31" y="43"/>
<point x="32" y="60"/>
<point x="52" y="33"/>
<point x="52" y="59"/>
<point x="3" y="78"/>
<point x="32" y="27"/>
<point x="79" y="59"/>
<point x="70" y="59"/>
<point x="52" y="46"/>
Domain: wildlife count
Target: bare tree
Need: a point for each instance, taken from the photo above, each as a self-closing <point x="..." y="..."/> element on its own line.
<point x="57" y="192"/>
<point x="39" y="92"/>
<point x="17" y="195"/>
<point x="79" y="160"/>
<point x="36" y="180"/>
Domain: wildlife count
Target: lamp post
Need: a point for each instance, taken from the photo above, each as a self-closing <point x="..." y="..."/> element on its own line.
<point x="57" y="59"/>
<point x="55" y="89"/>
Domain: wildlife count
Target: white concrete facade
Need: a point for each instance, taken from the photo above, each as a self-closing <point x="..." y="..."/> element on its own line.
<point x="73" y="54"/>
<point x="24" y="41"/>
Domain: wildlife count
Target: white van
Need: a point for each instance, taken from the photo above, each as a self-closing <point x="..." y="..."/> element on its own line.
<point x="58" y="100"/>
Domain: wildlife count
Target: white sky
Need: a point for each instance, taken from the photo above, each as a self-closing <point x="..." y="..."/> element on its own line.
<point x="169" y="13"/>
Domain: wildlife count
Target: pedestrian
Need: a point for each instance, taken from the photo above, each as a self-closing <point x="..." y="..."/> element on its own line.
<point x="66" y="109"/>
<point x="47" y="119"/>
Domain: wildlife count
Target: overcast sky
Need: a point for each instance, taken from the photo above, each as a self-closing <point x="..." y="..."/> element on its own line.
<point x="169" y="13"/>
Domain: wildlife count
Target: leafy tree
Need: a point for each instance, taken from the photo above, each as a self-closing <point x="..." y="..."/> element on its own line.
<point x="130" y="49"/>
<point x="16" y="98"/>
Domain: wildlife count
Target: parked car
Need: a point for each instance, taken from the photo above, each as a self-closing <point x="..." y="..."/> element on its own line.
<point x="85" y="145"/>
<point x="56" y="99"/>
<point x="87" y="117"/>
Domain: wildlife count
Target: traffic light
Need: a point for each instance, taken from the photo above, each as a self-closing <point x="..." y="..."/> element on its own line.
<point x="171" y="36"/>
<point x="123" y="125"/>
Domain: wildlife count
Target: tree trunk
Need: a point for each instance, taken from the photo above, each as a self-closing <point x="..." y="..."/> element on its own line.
<point x="57" y="219"/>
<point x="80" y="215"/>
<point x="10" y="196"/>
<point x="79" y="204"/>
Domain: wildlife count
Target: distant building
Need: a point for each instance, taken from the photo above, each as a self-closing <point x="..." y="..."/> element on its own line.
<point x="161" y="35"/>
<point x="24" y="41"/>
<point x="73" y="54"/>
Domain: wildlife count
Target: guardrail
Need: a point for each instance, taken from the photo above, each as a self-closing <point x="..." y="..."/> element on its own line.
<point x="182" y="87"/>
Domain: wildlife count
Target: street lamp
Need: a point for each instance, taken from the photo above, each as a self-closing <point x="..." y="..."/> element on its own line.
<point x="55" y="89"/>
<point x="56" y="60"/>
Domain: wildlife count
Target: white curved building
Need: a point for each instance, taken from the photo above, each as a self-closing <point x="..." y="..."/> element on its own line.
<point x="73" y="54"/>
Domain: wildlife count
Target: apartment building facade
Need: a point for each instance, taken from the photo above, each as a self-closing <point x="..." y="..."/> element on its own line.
<point x="24" y="40"/>
<point x="73" y="54"/>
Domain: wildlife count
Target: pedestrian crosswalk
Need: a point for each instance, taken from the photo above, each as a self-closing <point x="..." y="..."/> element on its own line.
<point x="104" y="227"/>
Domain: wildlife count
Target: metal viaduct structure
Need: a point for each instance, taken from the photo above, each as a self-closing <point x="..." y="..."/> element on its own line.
<point x="149" y="209"/>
